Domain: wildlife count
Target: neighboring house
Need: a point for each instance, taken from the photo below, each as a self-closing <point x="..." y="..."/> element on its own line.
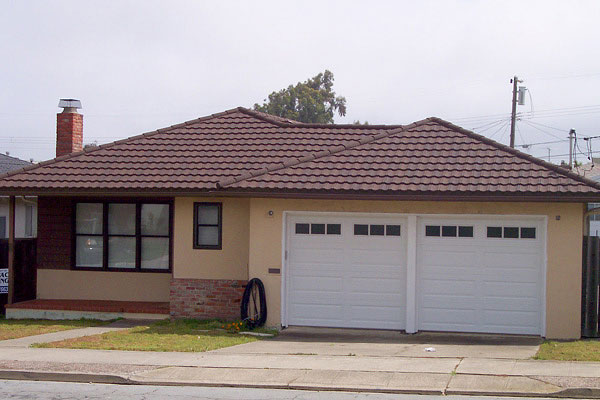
<point x="421" y="227"/>
<point x="592" y="171"/>
<point x="26" y="208"/>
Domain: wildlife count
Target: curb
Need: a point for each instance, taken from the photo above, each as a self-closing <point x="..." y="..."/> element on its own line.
<point x="64" y="377"/>
<point x="578" y="393"/>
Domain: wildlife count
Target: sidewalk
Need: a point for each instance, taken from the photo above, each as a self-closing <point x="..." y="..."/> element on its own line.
<point x="267" y="364"/>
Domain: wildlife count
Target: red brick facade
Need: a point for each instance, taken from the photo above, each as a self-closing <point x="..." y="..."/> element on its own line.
<point x="206" y="298"/>
<point x="69" y="133"/>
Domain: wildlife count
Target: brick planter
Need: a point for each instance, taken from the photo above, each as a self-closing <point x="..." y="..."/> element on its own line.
<point x="206" y="298"/>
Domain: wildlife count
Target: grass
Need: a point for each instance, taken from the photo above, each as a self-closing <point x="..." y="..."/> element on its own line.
<point x="177" y="335"/>
<point x="18" y="328"/>
<point x="577" y="350"/>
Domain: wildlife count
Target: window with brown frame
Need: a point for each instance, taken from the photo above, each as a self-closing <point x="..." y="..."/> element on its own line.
<point x="122" y="236"/>
<point x="208" y="226"/>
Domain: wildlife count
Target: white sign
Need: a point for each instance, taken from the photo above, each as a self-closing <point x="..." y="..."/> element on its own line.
<point x="4" y="280"/>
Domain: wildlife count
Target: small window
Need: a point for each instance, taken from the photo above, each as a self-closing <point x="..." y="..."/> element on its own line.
<point x="207" y="229"/>
<point x="494" y="231"/>
<point x="302" y="229"/>
<point x="377" y="230"/>
<point x="334" y="229"/>
<point x="449" y="231"/>
<point x="432" y="230"/>
<point x="392" y="230"/>
<point x="465" y="231"/>
<point x="317" y="229"/>
<point x="28" y="220"/>
<point x="361" y="230"/>
<point x="511" y="232"/>
<point x="527" y="233"/>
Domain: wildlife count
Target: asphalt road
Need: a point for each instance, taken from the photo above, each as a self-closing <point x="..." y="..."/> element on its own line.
<point x="62" y="391"/>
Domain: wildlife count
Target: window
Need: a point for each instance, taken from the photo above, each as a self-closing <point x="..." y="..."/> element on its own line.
<point x="510" y="232"/>
<point x="361" y="230"/>
<point x="392" y="230"/>
<point x="3" y="227"/>
<point x="208" y="227"/>
<point x="465" y="231"/>
<point x="28" y="220"/>
<point x="376" y="230"/>
<point x="334" y="229"/>
<point x="122" y="236"/>
<point x="303" y="229"/>
<point x="317" y="229"/>
<point x="432" y="230"/>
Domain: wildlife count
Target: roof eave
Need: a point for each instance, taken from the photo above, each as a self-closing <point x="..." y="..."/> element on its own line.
<point x="315" y="194"/>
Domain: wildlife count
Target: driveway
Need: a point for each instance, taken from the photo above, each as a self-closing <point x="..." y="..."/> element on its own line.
<point x="374" y="343"/>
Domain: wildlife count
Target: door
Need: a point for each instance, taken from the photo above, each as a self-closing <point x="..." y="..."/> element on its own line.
<point x="477" y="275"/>
<point x="346" y="271"/>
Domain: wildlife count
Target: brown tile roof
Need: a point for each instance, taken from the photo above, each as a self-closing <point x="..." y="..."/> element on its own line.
<point x="241" y="151"/>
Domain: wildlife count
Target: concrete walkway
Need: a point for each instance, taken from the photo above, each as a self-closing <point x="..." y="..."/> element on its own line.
<point x="396" y="364"/>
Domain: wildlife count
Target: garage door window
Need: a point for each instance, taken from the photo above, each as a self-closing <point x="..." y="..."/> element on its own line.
<point x="511" y="232"/>
<point x="376" y="230"/>
<point x="449" y="231"/>
<point x="318" y="229"/>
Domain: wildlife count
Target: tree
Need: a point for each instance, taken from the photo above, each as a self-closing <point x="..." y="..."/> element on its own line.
<point x="312" y="101"/>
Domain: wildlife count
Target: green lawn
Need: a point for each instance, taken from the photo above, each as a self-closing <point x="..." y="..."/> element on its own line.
<point x="17" y="328"/>
<point x="177" y="335"/>
<point x="578" y="350"/>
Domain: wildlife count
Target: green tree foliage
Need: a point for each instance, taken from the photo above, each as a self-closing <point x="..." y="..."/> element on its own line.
<point x="313" y="101"/>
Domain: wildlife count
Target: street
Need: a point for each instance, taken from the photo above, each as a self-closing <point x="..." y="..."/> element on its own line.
<point x="32" y="390"/>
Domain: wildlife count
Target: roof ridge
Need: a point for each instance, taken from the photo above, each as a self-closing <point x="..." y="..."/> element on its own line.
<point x="15" y="158"/>
<point x="515" y="152"/>
<point x="116" y="142"/>
<point x="320" y="154"/>
<point x="290" y="122"/>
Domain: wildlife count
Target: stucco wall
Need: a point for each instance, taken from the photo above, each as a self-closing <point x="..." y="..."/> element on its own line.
<point x="231" y="262"/>
<point x="100" y="285"/>
<point x="563" y="281"/>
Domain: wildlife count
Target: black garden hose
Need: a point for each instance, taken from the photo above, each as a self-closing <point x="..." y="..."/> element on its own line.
<point x="254" y="304"/>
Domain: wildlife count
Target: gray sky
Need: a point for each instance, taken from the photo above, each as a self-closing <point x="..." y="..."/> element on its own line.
<point x="142" y="65"/>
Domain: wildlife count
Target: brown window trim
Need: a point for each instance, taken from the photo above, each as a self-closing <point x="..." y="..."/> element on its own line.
<point x="138" y="255"/>
<point x="219" y="226"/>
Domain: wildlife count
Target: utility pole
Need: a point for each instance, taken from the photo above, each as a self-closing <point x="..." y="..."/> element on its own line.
<point x="571" y="134"/>
<point x="513" y="118"/>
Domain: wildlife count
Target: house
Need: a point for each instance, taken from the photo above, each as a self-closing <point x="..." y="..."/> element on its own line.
<point x="591" y="171"/>
<point x="419" y="227"/>
<point x="26" y="208"/>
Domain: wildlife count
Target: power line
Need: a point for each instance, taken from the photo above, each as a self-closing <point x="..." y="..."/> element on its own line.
<point x="541" y="130"/>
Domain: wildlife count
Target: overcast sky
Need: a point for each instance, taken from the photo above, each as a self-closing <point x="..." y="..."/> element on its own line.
<point x="141" y="65"/>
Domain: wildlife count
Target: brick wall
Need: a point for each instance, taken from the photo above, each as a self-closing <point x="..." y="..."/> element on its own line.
<point x="54" y="233"/>
<point x="206" y="298"/>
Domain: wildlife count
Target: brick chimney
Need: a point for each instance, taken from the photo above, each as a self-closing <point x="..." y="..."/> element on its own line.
<point x="69" y="128"/>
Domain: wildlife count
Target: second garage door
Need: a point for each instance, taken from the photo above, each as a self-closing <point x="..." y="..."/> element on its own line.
<point x="346" y="272"/>
<point x="478" y="275"/>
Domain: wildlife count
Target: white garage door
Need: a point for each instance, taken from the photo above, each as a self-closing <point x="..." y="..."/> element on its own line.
<point x="346" y="272"/>
<point x="480" y="275"/>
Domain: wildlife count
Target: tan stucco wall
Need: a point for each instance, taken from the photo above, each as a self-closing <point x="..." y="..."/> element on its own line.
<point x="231" y="262"/>
<point x="563" y="280"/>
<point x="100" y="285"/>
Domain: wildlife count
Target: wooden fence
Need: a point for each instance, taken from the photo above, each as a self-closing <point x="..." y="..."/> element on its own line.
<point x="590" y="293"/>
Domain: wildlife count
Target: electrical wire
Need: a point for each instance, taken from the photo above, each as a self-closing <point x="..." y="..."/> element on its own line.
<point x="539" y="129"/>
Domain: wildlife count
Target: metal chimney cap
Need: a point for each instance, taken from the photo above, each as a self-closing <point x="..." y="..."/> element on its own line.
<point x="69" y="103"/>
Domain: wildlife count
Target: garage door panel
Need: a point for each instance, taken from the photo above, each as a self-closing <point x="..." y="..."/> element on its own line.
<point x="509" y="303"/>
<point x="504" y="289"/>
<point x="440" y="286"/>
<point x="374" y="314"/>
<point x="525" y="275"/>
<point x="311" y="255"/>
<point x="465" y="316"/>
<point x="448" y="257"/>
<point x="313" y="270"/>
<point x="321" y="284"/>
<point x="512" y="318"/>
<point x="441" y="302"/>
<point x="373" y="285"/>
